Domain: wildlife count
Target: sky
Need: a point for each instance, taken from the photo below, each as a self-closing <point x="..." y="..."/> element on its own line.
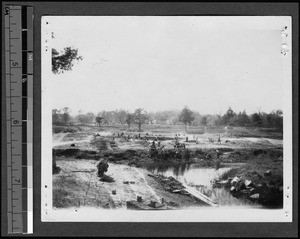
<point x="167" y="63"/>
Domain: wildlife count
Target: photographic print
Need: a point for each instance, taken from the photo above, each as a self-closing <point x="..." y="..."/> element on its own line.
<point x="166" y="118"/>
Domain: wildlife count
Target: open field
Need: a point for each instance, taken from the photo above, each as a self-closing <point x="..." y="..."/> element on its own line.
<point x="176" y="178"/>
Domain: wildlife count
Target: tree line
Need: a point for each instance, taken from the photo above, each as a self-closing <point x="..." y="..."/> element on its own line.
<point x="274" y="119"/>
<point x="64" y="61"/>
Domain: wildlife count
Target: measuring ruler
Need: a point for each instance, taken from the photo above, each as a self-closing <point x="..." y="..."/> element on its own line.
<point x="19" y="116"/>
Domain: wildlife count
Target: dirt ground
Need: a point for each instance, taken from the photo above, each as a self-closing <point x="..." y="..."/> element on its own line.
<point x="78" y="152"/>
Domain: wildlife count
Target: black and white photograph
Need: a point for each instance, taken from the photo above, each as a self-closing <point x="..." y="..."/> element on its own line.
<point x="166" y="118"/>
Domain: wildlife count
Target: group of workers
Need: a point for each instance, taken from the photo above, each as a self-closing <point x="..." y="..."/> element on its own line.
<point x="156" y="150"/>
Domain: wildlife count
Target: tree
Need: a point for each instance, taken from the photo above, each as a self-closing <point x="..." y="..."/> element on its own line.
<point x="197" y="118"/>
<point x="91" y="117"/>
<point x="256" y="119"/>
<point x="204" y="120"/>
<point x="66" y="115"/>
<point x="161" y="117"/>
<point x="129" y="119"/>
<point x="56" y="116"/>
<point x="140" y="117"/>
<point x="83" y="118"/>
<point x="99" y="120"/>
<point x="64" y="61"/>
<point x="186" y="116"/>
<point x="121" y="116"/>
<point x="228" y="117"/>
<point x="151" y="118"/>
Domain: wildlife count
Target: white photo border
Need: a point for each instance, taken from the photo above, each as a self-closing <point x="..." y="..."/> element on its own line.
<point x="48" y="214"/>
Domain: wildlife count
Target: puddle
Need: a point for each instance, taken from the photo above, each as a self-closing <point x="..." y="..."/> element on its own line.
<point x="189" y="174"/>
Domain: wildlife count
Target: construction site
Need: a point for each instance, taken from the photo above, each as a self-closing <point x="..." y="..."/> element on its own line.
<point x="165" y="168"/>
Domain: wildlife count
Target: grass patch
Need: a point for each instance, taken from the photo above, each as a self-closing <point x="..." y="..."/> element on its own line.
<point x="61" y="198"/>
<point x="224" y="198"/>
<point x="64" y="190"/>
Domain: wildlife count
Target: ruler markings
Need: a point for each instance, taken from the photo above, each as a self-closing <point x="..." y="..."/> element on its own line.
<point x="19" y="56"/>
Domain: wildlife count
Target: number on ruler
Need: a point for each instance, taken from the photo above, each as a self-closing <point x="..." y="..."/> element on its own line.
<point x="30" y="57"/>
<point x="19" y="180"/>
<point x="15" y="63"/>
<point x="16" y="122"/>
<point x="24" y="80"/>
<point x="6" y="10"/>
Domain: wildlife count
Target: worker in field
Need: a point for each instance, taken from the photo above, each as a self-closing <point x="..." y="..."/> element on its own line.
<point x="153" y="144"/>
<point x="217" y="166"/>
<point x="152" y="149"/>
<point x="218" y="153"/>
<point x="186" y="139"/>
<point x="158" y="143"/>
<point x="219" y="139"/>
<point x="176" y="139"/>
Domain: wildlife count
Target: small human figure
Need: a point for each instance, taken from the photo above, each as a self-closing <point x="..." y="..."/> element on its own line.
<point x="161" y="152"/>
<point x="176" y="139"/>
<point x="158" y="144"/>
<point x="219" y="139"/>
<point x="152" y="149"/>
<point x="186" y="139"/>
<point x="218" y="153"/>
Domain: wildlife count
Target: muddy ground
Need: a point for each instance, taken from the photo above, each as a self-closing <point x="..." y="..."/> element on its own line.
<point x="78" y="150"/>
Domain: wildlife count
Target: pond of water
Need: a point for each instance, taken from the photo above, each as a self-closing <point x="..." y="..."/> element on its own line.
<point x="190" y="174"/>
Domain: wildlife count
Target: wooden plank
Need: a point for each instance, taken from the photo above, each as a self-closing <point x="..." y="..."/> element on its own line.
<point x="200" y="196"/>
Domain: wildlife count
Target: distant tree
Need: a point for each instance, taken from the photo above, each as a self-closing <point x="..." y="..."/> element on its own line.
<point x="129" y="119"/>
<point x="274" y="119"/>
<point x="121" y="116"/>
<point x="91" y="117"/>
<point x="256" y="119"/>
<point x="228" y="116"/>
<point x="161" y="117"/>
<point x="99" y="120"/>
<point x="204" y="120"/>
<point x="140" y="117"/>
<point x="186" y="116"/>
<point x="56" y="116"/>
<point x="240" y="119"/>
<point x="279" y="119"/>
<point x="151" y="118"/>
<point x="66" y="115"/>
<point x="83" y="118"/>
<point x="64" y="61"/>
<point x="197" y="119"/>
